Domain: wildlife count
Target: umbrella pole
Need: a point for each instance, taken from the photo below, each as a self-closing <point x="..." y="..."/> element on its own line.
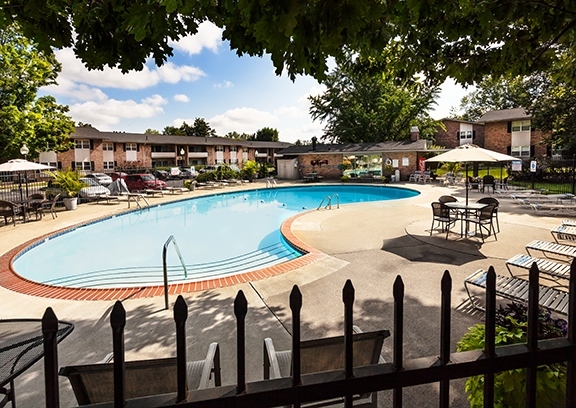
<point x="20" y="185"/>
<point x="466" y="183"/>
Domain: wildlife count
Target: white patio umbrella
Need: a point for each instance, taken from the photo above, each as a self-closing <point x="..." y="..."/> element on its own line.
<point x="20" y="165"/>
<point x="470" y="153"/>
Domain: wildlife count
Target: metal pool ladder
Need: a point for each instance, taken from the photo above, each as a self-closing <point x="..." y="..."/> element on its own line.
<point x="173" y="240"/>
<point x="271" y="183"/>
<point x="328" y="200"/>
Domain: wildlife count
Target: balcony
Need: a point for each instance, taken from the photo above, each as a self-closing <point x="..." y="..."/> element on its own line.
<point x="163" y="155"/>
<point x="197" y="155"/>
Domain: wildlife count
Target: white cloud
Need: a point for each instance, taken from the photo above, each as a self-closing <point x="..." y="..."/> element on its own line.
<point x="74" y="71"/>
<point x="241" y="120"/>
<point x="208" y="36"/>
<point x="225" y="84"/>
<point x="103" y="114"/>
<point x="291" y="111"/>
<point x="181" y="98"/>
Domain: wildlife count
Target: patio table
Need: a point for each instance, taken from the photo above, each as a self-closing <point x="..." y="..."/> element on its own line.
<point x="465" y="210"/>
<point x="21" y="345"/>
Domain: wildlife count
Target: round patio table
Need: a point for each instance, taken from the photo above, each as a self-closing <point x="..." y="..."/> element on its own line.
<point x="21" y="345"/>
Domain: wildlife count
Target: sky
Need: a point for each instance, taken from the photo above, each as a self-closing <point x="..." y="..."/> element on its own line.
<point x="204" y="79"/>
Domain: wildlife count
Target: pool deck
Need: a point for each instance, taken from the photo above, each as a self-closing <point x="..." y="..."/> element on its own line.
<point x="371" y="244"/>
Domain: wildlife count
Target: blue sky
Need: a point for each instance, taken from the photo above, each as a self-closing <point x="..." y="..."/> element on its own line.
<point x="204" y="79"/>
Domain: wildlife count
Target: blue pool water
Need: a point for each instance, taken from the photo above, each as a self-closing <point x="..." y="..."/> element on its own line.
<point x="218" y="235"/>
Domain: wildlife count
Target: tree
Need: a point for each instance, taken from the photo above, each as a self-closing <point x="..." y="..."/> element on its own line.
<point x="84" y="125"/>
<point x="172" y="130"/>
<point x="40" y="123"/>
<point x="365" y="108"/>
<point x="151" y="132"/>
<point x="552" y="103"/>
<point x="267" y="134"/>
<point x="493" y="94"/>
<point x="201" y="128"/>
<point x="464" y="40"/>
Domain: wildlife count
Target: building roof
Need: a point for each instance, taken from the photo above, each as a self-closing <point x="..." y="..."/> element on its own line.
<point x="504" y="115"/>
<point x="122" y="137"/>
<point x="459" y="121"/>
<point x="353" y="148"/>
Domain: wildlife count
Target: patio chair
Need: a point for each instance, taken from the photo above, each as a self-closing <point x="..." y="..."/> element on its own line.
<point x="9" y="210"/>
<point x="483" y="220"/>
<point x="94" y="383"/>
<point x="327" y="354"/>
<point x="34" y="203"/>
<point x="492" y="201"/>
<point x="443" y="216"/>
<point x="487" y="183"/>
<point x="51" y="205"/>
<point x="447" y="199"/>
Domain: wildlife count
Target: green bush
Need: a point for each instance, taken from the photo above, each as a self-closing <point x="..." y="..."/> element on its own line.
<point x="67" y="180"/>
<point x="510" y="386"/>
<point x="206" y="176"/>
<point x="249" y="169"/>
<point x="345" y="179"/>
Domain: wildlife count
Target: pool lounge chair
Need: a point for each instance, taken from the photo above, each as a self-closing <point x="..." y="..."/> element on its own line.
<point x="564" y="233"/>
<point x="555" y="270"/>
<point x="327" y="354"/>
<point x="554" y="248"/>
<point x="553" y="209"/>
<point x="516" y="289"/>
<point x="94" y="383"/>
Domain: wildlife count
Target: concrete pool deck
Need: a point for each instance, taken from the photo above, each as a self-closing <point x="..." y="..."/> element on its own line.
<point x="371" y="244"/>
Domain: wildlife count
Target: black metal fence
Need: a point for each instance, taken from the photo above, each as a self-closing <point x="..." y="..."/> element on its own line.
<point x="394" y="375"/>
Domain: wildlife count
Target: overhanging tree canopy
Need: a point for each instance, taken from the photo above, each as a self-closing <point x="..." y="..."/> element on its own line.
<point x="461" y="39"/>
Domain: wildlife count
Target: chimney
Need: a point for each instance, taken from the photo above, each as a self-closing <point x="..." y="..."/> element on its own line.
<point x="414" y="133"/>
<point x="314" y="139"/>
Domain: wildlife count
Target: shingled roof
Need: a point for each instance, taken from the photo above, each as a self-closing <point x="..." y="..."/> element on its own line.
<point x="117" y="137"/>
<point x="504" y="115"/>
<point x="352" y="148"/>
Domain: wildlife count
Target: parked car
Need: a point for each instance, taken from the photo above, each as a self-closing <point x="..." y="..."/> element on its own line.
<point x="136" y="182"/>
<point x="118" y="174"/>
<point x="101" y="178"/>
<point x="94" y="188"/>
<point x="161" y="174"/>
<point x="187" y="173"/>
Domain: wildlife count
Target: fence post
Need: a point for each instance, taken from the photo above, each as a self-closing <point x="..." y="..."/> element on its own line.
<point x="296" y="306"/>
<point x="180" y="317"/>
<point x="398" y="336"/>
<point x="49" y="332"/>
<point x="573" y="173"/>
<point x="240" y="311"/>
<point x="118" y="322"/>
<point x="348" y="299"/>
<point x="445" y="328"/>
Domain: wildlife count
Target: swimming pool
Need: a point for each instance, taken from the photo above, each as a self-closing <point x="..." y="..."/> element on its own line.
<point x="218" y="235"/>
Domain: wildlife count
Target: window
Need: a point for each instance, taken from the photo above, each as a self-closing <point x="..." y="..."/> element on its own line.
<point x="233" y="148"/>
<point x="131" y="147"/>
<point x="233" y="161"/>
<point x="108" y="165"/>
<point x="467" y="134"/>
<point x="162" y="149"/>
<point x="83" y="166"/>
<point x="521" y="126"/>
<point x="53" y="164"/>
<point x="219" y="148"/>
<point x="82" y="144"/>
<point x="520" y="151"/>
<point x="107" y="146"/>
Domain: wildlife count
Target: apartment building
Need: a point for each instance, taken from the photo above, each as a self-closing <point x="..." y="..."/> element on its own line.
<point x="106" y="151"/>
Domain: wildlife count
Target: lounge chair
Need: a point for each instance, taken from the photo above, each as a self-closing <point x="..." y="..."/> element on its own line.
<point x="547" y="248"/>
<point x="554" y="209"/>
<point x="94" y="383"/>
<point x="327" y="354"/>
<point x="554" y="270"/>
<point x="516" y="289"/>
<point x="564" y="233"/>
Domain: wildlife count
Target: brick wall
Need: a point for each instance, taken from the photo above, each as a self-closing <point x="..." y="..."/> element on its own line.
<point x="498" y="139"/>
<point x="330" y="171"/>
<point x="449" y="137"/>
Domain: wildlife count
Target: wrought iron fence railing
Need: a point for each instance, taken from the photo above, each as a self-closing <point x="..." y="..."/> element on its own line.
<point x="394" y="375"/>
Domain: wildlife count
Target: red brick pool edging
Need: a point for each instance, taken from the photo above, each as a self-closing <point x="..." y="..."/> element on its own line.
<point x="10" y="280"/>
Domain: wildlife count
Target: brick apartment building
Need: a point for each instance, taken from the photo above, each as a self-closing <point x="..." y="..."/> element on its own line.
<point x="506" y="131"/>
<point x="106" y="151"/>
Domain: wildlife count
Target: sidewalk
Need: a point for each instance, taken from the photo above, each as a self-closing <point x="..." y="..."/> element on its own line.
<point x="371" y="244"/>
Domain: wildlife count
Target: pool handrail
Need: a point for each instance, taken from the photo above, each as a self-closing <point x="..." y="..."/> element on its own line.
<point x="329" y="203"/>
<point x="165" y="268"/>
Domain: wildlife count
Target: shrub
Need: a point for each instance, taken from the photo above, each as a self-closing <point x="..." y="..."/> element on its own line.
<point x="345" y="179"/>
<point x="510" y="386"/>
<point x="206" y="176"/>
